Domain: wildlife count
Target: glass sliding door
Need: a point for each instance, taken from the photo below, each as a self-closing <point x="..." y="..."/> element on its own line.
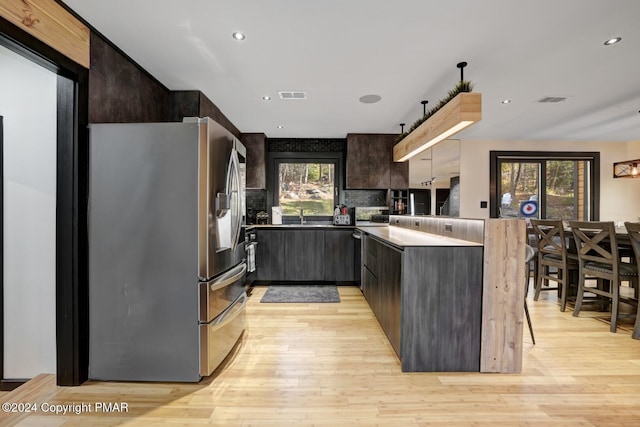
<point x="519" y="182"/>
<point x="566" y="190"/>
<point x="563" y="185"/>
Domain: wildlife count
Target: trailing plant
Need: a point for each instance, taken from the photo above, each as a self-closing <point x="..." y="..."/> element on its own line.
<point x="462" y="86"/>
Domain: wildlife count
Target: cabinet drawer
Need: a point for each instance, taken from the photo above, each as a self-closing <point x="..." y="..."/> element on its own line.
<point x="370" y="258"/>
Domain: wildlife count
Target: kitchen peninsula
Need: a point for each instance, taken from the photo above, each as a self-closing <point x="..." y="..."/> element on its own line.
<point x="442" y="289"/>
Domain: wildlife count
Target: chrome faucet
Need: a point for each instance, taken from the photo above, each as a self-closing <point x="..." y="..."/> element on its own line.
<point x="301" y="216"/>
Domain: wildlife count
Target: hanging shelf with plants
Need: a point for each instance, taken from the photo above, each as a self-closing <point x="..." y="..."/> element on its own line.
<point x="458" y="110"/>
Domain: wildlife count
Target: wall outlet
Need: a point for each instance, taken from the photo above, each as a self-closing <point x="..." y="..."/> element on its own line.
<point x="483" y="204"/>
<point x="448" y="227"/>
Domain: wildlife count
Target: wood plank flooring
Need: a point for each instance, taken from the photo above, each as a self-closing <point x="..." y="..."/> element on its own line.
<point x="331" y="365"/>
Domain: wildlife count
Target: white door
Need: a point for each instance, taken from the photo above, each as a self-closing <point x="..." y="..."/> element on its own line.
<point x="28" y="107"/>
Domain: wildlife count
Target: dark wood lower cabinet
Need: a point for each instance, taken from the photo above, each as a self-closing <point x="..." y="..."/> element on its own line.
<point x="269" y="255"/>
<point x="339" y="258"/>
<point x="371" y="291"/>
<point x="382" y="281"/>
<point x="304" y="255"/>
<point x="390" y="286"/>
<point x="428" y="301"/>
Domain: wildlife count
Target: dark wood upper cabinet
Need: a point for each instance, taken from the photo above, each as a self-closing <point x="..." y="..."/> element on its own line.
<point x="256" y="144"/>
<point x="399" y="172"/>
<point x="370" y="163"/>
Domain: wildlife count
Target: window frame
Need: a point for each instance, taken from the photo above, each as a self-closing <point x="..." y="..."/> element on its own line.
<point x="274" y="159"/>
<point x="497" y="157"/>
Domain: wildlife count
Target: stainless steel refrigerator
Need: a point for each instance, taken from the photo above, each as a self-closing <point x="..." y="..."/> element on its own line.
<point x="166" y="249"/>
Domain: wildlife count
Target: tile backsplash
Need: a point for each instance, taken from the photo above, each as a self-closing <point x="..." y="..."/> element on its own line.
<point x="256" y="202"/>
<point x="365" y="197"/>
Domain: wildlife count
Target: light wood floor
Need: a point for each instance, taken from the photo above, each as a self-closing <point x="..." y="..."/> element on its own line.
<point x="331" y="365"/>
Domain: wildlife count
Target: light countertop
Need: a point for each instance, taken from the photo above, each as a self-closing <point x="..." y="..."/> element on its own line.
<point x="299" y="226"/>
<point x="402" y="237"/>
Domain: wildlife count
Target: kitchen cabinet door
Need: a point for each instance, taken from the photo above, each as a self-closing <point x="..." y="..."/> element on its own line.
<point x="369" y="158"/>
<point x="389" y="279"/>
<point x="270" y="255"/>
<point x="370" y="290"/>
<point x="370" y="163"/>
<point x="339" y="255"/>
<point x="304" y="255"/>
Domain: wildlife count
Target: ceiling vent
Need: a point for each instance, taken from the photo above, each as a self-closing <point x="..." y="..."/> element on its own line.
<point x="550" y="99"/>
<point x="292" y="94"/>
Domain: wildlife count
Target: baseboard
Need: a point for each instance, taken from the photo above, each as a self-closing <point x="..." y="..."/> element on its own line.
<point x="9" y="385"/>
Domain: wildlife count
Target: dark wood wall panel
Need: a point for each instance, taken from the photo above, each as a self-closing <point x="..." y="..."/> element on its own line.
<point x="183" y="103"/>
<point x="209" y="109"/>
<point x="120" y="91"/>
<point x="193" y="103"/>
<point x="256" y="144"/>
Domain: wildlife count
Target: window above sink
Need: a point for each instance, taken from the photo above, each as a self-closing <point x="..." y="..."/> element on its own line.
<point x="304" y="182"/>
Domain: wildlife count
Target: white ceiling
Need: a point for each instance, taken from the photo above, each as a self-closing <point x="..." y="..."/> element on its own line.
<point x="404" y="51"/>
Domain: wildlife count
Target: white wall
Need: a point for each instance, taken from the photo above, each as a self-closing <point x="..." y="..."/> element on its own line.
<point x="619" y="198"/>
<point x="28" y="104"/>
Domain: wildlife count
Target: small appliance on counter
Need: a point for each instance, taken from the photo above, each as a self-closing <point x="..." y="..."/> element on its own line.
<point x="262" y="218"/>
<point x="343" y="215"/>
<point x="276" y="215"/>
<point x="372" y="215"/>
<point x="380" y="218"/>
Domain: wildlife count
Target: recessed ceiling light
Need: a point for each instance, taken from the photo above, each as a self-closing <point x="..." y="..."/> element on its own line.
<point x="370" y="99"/>
<point x="612" y="41"/>
<point x="280" y="127"/>
<point x="238" y="35"/>
<point x="266" y="98"/>
<point x="505" y="101"/>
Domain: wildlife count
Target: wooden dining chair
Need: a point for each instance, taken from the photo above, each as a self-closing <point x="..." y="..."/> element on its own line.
<point x="633" y="228"/>
<point x="598" y="257"/>
<point x="553" y="254"/>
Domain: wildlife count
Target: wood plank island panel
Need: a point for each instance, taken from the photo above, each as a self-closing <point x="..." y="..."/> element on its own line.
<point x="52" y="24"/>
<point x="503" y="295"/>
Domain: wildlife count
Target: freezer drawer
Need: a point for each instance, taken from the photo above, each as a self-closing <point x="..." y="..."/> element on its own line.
<point x="218" y="337"/>
<point x="218" y="294"/>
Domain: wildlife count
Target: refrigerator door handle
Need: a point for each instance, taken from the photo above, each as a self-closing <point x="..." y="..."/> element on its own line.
<point x="231" y="312"/>
<point x="230" y="277"/>
<point x="234" y="164"/>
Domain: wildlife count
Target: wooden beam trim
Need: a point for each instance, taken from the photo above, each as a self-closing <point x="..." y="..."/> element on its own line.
<point x="52" y="24"/>
<point x="465" y="106"/>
